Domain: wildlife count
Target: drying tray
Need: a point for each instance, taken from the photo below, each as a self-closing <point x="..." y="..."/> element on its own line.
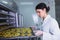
<point x="20" y="37"/>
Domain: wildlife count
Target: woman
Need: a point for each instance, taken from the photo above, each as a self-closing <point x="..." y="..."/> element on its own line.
<point x="50" y="28"/>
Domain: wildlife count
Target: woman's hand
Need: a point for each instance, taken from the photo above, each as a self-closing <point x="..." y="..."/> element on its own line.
<point x="38" y="33"/>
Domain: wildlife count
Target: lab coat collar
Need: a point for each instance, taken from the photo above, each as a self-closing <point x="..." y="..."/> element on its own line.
<point x="46" y="19"/>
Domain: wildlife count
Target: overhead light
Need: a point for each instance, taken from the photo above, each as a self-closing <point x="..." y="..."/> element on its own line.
<point x="5" y="2"/>
<point x="26" y="3"/>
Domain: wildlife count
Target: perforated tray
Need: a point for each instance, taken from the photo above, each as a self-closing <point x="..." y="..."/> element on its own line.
<point x="20" y="36"/>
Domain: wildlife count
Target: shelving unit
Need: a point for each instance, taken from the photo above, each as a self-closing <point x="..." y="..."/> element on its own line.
<point x="7" y="16"/>
<point x="7" y="19"/>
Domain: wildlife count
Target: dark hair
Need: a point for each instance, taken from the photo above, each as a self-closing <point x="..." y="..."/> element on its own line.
<point x="42" y="6"/>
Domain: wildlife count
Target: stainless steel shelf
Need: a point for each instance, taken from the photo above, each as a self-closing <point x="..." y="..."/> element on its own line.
<point x="6" y="27"/>
<point x="20" y="37"/>
<point x="3" y="18"/>
<point x="5" y="7"/>
<point x="11" y="18"/>
<point x="6" y="14"/>
<point x="4" y="23"/>
<point x="7" y="18"/>
<point x="12" y="22"/>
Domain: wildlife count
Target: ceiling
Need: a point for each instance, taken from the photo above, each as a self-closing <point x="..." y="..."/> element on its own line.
<point x="56" y="1"/>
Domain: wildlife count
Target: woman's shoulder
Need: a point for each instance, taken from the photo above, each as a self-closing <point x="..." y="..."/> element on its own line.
<point x="53" y="20"/>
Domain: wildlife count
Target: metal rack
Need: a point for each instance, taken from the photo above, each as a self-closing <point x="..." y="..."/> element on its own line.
<point x="7" y="16"/>
<point x="21" y="38"/>
<point x="21" y="18"/>
<point x="9" y="19"/>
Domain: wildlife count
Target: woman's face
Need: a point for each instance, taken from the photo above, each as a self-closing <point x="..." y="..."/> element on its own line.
<point x="40" y="12"/>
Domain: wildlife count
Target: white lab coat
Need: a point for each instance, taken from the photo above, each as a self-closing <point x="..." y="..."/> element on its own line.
<point x="50" y="28"/>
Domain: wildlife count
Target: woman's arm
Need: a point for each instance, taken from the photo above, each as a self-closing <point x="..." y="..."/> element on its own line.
<point x="53" y="32"/>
